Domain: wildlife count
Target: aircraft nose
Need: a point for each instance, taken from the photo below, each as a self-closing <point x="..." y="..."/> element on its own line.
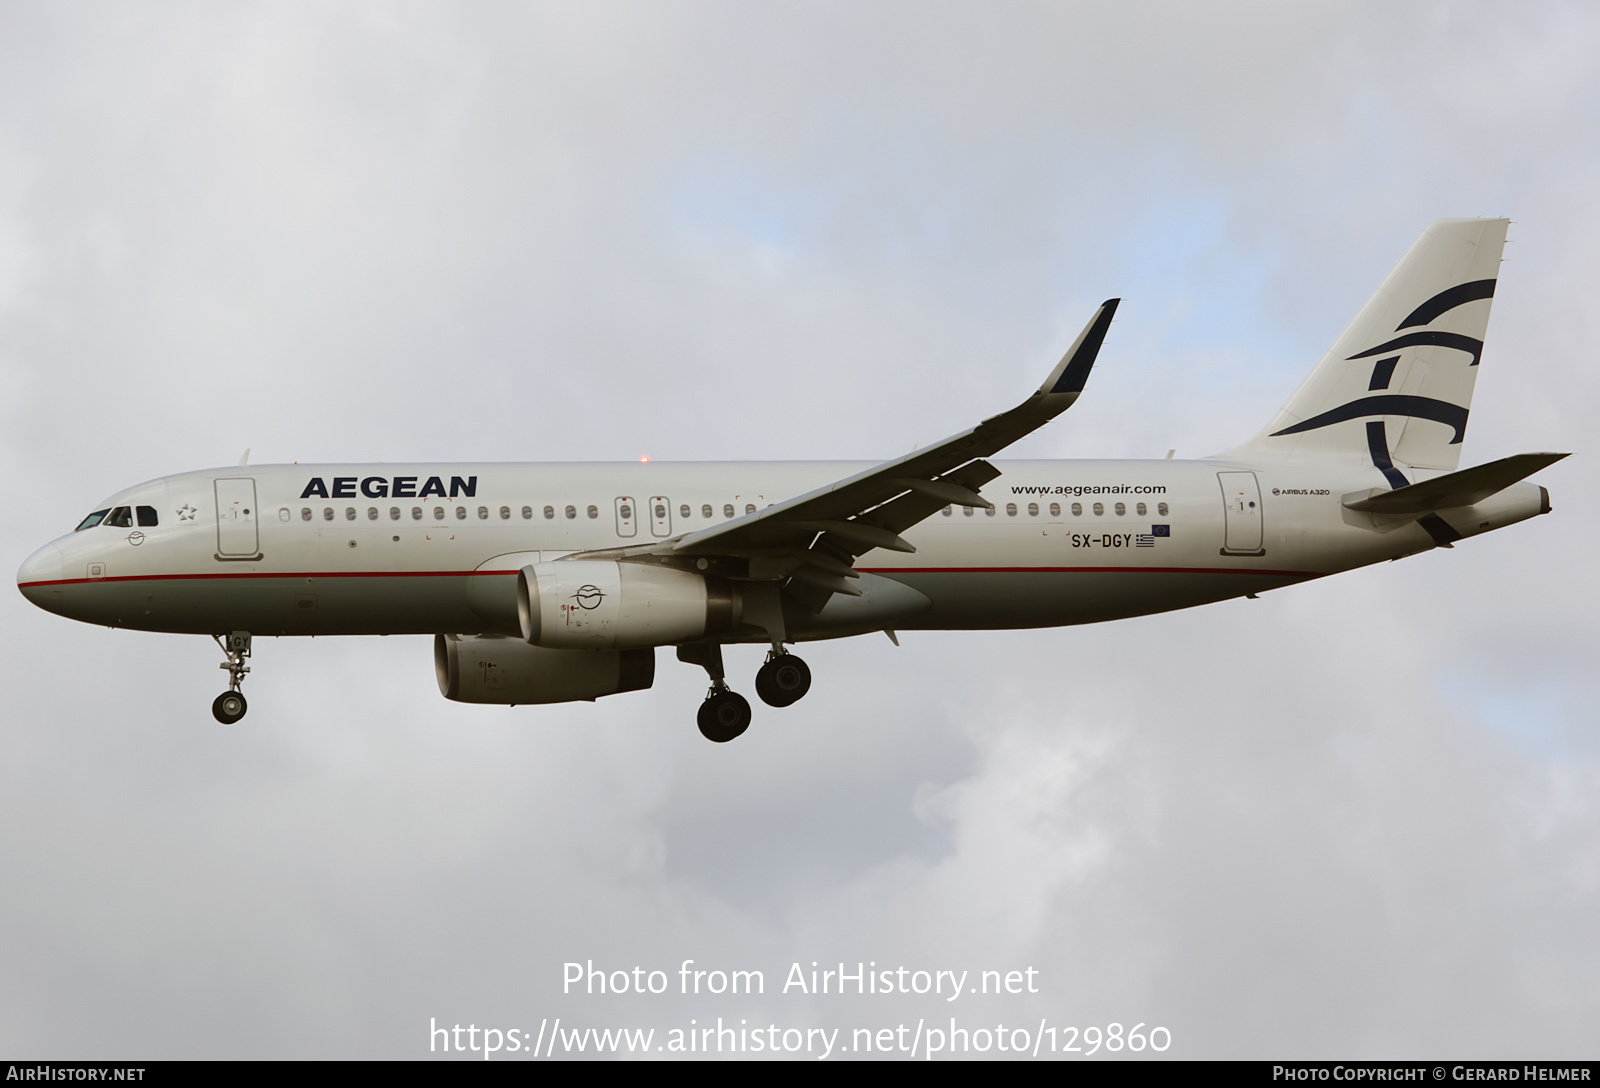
<point x="42" y="566"/>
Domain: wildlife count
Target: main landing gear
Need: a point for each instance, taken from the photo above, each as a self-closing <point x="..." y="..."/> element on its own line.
<point x="725" y="714"/>
<point x="230" y="706"/>
<point x="783" y="680"/>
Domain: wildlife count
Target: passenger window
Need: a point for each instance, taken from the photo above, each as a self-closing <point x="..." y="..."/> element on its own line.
<point x="461" y="513"/>
<point x="683" y="511"/>
<point x="394" y="513"/>
<point x="948" y="511"/>
<point x="626" y="512"/>
<point x="1122" y="509"/>
<point x="967" y="510"/>
<point x="1141" y="510"/>
<point x="505" y="513"/>
<point x="661" y="511"/>
<point x="594" y="511"/>
<point x="727" y="510"/>
<point x="549" y="512"/>
<point x="990" y="511"/>
<point x="1161" y="508"/>
<point x="327" y="513"/>
<point x="705" y="511"/>
<point x="438" y="513"/>
<point x="749" y="507"/>
<point x="1099" y="509"/>
<point x="527" y="512"/>
<point x="92" y="520"/>
<point x="305" y="513"/>
<point x="372" y="513"/>
<point x="120" y="518"/>
<point x="1011" y="509"/>
<point x="1077" y="509"/>
<point x="1033" y="509"/>
<point x="483" y="513"/>
<point x="147" y="516"/>
<point x="416" y="513"/>
<point x="572" y="512"/>
<point x="349" y="513"/>
<point x="1055" y="509"/>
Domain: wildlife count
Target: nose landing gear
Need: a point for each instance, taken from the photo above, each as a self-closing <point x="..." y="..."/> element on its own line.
<point x="230" y="706"/>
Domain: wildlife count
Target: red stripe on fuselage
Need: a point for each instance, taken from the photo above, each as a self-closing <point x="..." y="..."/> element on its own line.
<point x="268" y="574"/>
<point x="890" y="571"/>
<point x="1091" y="570"/>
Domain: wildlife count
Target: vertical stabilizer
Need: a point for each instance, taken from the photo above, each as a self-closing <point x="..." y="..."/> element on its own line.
<point x="1396" y="387"/>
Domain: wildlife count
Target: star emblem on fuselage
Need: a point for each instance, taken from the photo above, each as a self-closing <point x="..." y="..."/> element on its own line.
<point x="186" y="512"/>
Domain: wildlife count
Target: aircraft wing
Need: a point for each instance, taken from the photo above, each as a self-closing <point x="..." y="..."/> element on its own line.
<point x="816" y="537"/>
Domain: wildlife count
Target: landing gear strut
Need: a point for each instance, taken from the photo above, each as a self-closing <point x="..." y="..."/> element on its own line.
<point x="725" y="714"/>
<point x="230" y="706"/>
<point x="783" y="680"/>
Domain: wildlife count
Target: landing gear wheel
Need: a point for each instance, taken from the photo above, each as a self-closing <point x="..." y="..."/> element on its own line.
<point x="783" y="680"/>
<point x="229" y="707"/>
<point x="723" y="716"/>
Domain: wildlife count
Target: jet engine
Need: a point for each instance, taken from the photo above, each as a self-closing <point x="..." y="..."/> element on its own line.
<point x="492" y="669"/>
<point x="599" y="605"/>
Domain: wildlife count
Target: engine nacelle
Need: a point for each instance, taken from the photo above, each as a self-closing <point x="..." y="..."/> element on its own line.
<point x="507" y="671"/>
<point x="600" y="605"/>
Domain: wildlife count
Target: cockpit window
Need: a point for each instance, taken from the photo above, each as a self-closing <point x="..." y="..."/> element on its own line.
<point x="121" y="517"/>
<point x="92" y="520"/>
<point x="147" y="516"/>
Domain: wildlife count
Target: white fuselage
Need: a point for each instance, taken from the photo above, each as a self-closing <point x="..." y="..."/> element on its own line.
<point x="360" y="549"/>
<point x="548" y="583"/>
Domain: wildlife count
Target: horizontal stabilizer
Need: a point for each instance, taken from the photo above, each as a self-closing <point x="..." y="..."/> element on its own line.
<point x="1464" y="488"/>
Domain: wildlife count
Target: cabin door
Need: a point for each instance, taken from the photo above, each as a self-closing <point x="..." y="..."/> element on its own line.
<point x="236" y="519"/>
<point x="1241" y="500"/>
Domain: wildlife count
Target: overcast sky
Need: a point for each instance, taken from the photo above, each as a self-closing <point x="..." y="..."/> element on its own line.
<point x="1354" y="818"/>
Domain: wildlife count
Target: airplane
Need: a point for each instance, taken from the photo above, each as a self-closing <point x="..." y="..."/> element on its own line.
<point x="547" y="583"/>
